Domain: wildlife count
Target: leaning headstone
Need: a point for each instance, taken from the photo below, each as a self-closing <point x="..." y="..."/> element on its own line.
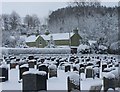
<point x="52" y="71"/>
<point x="109" y="81"/>
<point x="34" y="81"/>
<point x="67" y="67"/>
<point x="4" y="73"/>
<point x="73" y="82"/>
<point x="89" y="72"/>
<point x="22" y="69"/>
<point x="44" y="67"/>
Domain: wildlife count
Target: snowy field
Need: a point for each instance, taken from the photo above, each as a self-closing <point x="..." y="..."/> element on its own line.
<point x="60" y="82"/>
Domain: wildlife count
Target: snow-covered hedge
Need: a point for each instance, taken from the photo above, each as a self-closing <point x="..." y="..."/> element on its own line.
<point x="17" y="51"/>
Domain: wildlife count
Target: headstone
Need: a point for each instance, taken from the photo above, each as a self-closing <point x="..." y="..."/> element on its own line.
<point x="4" y="73"/>
<point x="67" y="68"/>
<point x="109" y="81"/>
<point x="13" y="64"/>
<point x="104" y="66"/>
<point x="75" y="68"/>
<point x="34" y="81"/>
<point x="42" y="60"/>
<point x="22" y="69"/>
<point x="96" y="72"/>
<point x="52" y="71"/>
<point x="44" y="67"/>
<point x="82" y="70"/>
<point x="73" y="83"/>
<point x="89" y="72"/>
<point x="96" y="88"/>
<point x="22" y="62"/>
<point x="30" y="57"/>
<point x="98" y="63"/>
<point x="31" y="63"/>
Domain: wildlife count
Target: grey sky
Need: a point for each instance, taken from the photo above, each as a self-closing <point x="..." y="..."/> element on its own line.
<point x="40" y="8"/>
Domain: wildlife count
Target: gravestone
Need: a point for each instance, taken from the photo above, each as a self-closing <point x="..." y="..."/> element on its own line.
<point x="98" y="63"/>
<point x="22" y="62"/>
<point x="42" y="60"/>
<point x="31" y="63"/>
<point x="104" y="66"/>
<point x="44" y="67"/>
<point x="34" y="81"/>
<point x="75" y="68"/>
<point x="109" y="81"/>
<point x="96" y="72"/>
<point x="89" y="72"/>
<point x="73" y="82"/>
<point x="4" y="73"/>
<point x="81" y="70"/>
<point x="30" y="57"/>
<point x="67" y="68"/>
<point x="52" y="71"/>
<point x="22" y="69"/>
<point x="13" y="65"/>
<point x="96" y="88"/>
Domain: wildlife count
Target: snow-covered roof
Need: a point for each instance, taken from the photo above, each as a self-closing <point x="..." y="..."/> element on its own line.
<point x="31" y="38"/>
<point x="58" y="36"/>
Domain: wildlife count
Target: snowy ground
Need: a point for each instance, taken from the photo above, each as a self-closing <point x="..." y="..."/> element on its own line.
<point x="55" y="83"/>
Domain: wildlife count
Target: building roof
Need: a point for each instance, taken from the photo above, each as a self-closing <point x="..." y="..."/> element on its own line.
<point x="31" y="38"/>
<point x="58" y="36"/>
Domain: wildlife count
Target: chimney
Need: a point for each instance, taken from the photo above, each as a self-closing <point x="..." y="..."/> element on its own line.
<point x="75" y="30"/>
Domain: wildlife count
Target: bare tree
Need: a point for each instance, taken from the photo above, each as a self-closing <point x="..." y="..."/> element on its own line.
<point x="6" y="25"/>
<point x="14" y="20"/>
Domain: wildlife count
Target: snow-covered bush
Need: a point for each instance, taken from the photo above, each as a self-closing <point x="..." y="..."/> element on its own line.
<point x="102" y="49"/>
<point x="115" y="48"/>
<point x="84" y="49"/>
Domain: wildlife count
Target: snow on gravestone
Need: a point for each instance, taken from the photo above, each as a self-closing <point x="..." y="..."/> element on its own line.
<point x="31" y="63"/>
<point x="67" y="67"/>
<point x="44" y="67"/>
<point x="96" y="72"/>
<point x="13" y="64"/>
<point x="34" y="80"/>
<point x="4" y="72"/>
<point x="109" y="81"/>
<point x="52" y="71"/>
<point x="73" y="82"/>
<point x="22" y="69"/>
<point x="89" y="72"/>
<point x="117" y="77"/>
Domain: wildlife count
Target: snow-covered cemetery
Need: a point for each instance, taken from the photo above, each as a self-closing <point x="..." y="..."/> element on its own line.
<point x="75" y="48"/>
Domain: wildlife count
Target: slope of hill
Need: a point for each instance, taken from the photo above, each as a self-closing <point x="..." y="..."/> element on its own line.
<point x="93" y="22"/>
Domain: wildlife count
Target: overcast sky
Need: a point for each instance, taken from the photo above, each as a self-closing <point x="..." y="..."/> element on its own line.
<point x="42" y="9"/>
